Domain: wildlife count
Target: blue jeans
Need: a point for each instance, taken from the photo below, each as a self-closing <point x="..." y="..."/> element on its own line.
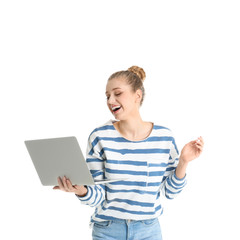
<point x="127" y="230"/>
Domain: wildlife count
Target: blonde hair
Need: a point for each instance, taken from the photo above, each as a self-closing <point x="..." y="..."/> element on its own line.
<point x="134" y="77"/>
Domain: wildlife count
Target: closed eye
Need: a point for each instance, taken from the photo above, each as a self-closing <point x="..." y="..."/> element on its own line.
<point x="118" y="94"/>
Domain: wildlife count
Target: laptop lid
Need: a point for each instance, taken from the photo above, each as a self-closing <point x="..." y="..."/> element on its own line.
<point x="58" y="157"/>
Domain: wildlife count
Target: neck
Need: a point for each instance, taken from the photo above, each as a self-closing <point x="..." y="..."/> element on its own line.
<point x="131" y="127"/>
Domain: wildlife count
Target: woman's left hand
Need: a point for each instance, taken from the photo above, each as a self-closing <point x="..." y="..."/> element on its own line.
<point x="192" y="150"/>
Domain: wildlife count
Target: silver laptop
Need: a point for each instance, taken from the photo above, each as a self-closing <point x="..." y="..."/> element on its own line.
<point x="59" y="157"/>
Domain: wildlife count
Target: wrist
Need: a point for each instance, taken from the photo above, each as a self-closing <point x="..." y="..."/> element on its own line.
<point x="82" y="192"/>
<point x="181" y="169"/>
<point x="182" y="161"/>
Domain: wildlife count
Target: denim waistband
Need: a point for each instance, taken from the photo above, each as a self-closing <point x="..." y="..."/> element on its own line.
<point x="126" y="221"/>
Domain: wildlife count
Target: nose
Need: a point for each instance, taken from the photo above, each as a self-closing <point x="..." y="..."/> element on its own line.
<point x="111" y="99"/>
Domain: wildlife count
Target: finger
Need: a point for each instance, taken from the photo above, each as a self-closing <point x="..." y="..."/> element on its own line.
<point x="56" y="188"/>
<point x="192" y="142"/>
<point x="199" y="147"/>
<point x="200" y="143"/>
<point x="60" y="183"/>
<point x="76" y="187"/>
<point x="70" y="186"/>
<point x="201" y="139"/>
<point x="65" y="184"/>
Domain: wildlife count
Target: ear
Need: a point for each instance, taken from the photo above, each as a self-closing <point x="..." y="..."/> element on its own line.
<point x="138" y="96"/>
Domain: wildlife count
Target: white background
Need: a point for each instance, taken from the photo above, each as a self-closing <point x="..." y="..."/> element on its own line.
<point x="55" y="58"/>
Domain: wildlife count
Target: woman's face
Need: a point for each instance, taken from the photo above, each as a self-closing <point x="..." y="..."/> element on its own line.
<point x="121" y="100"/>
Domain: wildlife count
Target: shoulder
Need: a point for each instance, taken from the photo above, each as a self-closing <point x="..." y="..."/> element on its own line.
<point x="162" y="130"/>
<point x="102" y="129"/>
<point x="166" y="134"/>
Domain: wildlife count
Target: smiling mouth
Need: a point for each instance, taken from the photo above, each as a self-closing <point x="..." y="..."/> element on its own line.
<point x="116" y="109"/>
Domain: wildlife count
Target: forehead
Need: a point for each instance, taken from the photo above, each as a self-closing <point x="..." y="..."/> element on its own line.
<point x="116" y="84"/>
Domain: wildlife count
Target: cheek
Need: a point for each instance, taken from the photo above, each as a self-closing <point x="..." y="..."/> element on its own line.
<point x="127" y="100"/>
<point x="108" y="105"/>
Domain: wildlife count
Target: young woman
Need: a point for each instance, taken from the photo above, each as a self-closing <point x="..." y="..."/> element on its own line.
<point x="144" y="154"/>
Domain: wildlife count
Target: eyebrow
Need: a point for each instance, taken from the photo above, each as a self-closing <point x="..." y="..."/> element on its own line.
<point x="113" y="89"/>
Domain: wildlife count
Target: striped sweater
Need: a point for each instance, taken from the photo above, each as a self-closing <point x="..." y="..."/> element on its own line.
<point x="147" y="167"/>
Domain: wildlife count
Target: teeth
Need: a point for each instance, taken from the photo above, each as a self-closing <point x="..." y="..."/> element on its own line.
<point x="114" y="108"/>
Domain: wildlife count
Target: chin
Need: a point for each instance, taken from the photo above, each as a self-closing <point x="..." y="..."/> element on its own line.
<point x="117" y="118"/>
<point x="120" y="118"/>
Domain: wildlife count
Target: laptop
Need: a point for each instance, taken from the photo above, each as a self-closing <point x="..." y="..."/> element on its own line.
<point x="59" y="157"/>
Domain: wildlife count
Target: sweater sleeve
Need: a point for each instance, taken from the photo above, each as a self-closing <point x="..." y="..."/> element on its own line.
<point x="172" y="185"/>
<point x="95" y="162"/>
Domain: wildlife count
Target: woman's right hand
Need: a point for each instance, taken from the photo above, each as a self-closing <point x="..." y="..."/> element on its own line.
<point x="66" y="186"/>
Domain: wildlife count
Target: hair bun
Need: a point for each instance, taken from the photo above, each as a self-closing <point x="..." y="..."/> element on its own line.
<point x="138" y="71"/>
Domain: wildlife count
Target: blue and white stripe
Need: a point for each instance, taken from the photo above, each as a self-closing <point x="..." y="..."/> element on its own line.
<point x="148" y="167"/>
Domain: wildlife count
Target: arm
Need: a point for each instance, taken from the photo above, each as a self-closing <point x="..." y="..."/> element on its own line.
<point x="190" y="151"/>
<point x="176" y="180"/>
<point x="89" y="195"/>
<point x="172" y="184"/>
<point x="94" y="194"/>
